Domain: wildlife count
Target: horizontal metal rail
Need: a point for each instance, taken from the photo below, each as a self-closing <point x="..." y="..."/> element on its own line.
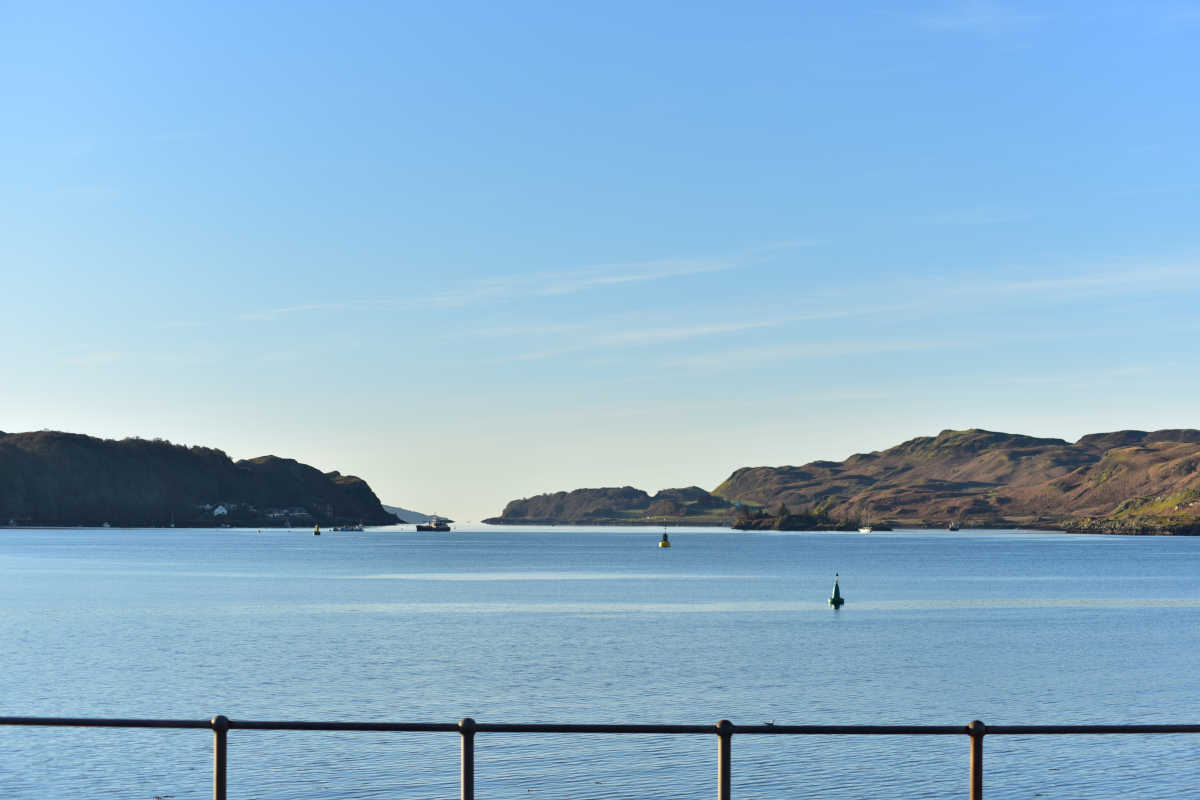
<point x="723" y="730"/>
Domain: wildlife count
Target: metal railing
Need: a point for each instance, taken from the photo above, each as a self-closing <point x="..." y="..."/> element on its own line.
<point x="723" y="730"/>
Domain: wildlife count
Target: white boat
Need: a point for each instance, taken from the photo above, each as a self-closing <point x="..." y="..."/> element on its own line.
<point x="865" y="529"/>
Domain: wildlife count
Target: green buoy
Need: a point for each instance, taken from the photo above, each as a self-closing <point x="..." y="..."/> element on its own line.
<point x="836" y="600"/>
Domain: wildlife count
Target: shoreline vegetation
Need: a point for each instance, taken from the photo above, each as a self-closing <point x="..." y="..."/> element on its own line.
<point x="1124" y="482"/>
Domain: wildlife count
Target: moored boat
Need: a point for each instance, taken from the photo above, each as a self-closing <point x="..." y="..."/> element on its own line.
<point x="435" y="524"/>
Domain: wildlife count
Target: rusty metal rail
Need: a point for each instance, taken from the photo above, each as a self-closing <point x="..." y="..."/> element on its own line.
<point x="723" y="730"/>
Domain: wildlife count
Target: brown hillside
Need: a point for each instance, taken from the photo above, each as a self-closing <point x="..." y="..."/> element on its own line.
<point x="1124" y="480"/>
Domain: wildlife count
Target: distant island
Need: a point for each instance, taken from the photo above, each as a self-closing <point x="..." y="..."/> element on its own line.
<point x="53" y="478"/>
<point x="411" y="517"/>
<point x="1120" y="482"/>
<point x="619" y="506"/>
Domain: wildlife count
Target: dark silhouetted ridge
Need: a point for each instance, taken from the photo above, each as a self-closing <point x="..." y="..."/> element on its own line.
<point x="54" y="478"/>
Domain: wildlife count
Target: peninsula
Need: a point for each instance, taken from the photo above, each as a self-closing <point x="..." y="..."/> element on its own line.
<point x="1121" y="482"/>
<point x="54" y="478"/>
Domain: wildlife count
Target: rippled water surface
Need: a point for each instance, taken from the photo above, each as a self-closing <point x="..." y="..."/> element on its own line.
<point x="562" y="625"/>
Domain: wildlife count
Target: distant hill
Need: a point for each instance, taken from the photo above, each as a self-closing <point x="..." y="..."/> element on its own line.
<point x="54" y="478"/>
<point x="1127" y="481"/>
<point x="619" y="506"/>
<point x="408" y="516"/>
<point x="1120" y="482"/>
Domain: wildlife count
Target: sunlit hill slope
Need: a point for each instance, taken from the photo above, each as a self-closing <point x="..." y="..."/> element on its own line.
<point x="1126" y="481"/>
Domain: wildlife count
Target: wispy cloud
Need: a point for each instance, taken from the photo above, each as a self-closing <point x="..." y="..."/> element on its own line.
<point x="804" y="350"/>
<point x="1139" y="191"/>
<point x="1075" y="285"/>
<point x="547" y="284"/>
<point x="270" y="314"/>
<point x="634" y="273"/>
<point x="96" y="359"/>
<point x="642" y="337"/>
<point x="1076" y="378"/>
<point x="564" y="282"/>
<point x="283" y="357"/>
<point x="87" y="191"/>
<point x="912" y="300"/>
<point x="973" y="216"/>
<point x="599" y="340"/>
<point x="544" y="284"/>
<point x="531" y="329"/>
<point x="980" y="17"/>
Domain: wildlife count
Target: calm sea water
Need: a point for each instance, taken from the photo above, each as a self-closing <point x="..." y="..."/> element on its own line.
<point x="564" y="625"/>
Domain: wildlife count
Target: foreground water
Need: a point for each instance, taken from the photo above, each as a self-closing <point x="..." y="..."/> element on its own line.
<point x="554" y="625"/>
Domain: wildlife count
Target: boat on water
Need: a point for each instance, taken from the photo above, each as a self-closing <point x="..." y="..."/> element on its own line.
<point x="953" y="526"/>
<point x="865" y="529"/>
<point x="435" y="524"/>
<point x="316" y="530"/>
<point x="357" y="527"/>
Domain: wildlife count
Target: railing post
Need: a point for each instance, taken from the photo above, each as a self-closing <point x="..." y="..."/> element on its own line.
<point x="466" y="727"/>
<point x="724" y="762"/>
<point x="976" y="730"/>
<point x="220" y="726"/>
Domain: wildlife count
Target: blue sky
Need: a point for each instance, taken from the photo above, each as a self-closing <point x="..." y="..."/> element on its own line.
<point x="478" y="251"/>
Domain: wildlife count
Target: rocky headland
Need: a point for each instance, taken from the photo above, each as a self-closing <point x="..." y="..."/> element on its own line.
<point x="1120" y="482"/>
<point x="53" y="478"/>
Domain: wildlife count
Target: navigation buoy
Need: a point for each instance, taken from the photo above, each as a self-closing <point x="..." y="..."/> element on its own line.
<point x="316" y="530"/>
<point x="836" y="600"/>
<point x="664" y="542"/>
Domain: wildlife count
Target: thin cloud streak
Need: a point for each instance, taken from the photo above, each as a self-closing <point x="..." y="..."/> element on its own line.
<point x="1076" y="378"/>
<point x="1080" y="284"/>
<point x="550" y="284"/>
<point x="94" y="359"/>
<point x="973" y="216"/>
<point x="980" y="18"/>
<point x="828" y="349"/>
<point x="642" y="337"/>
<point x="547" y="284"/>
<point x="271" y="314"/>
<point x="646" y="336"/>
<point x="639" y="273"/>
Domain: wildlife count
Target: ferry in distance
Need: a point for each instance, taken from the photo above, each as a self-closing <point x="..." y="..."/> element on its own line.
<point x="435" y="524"/>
